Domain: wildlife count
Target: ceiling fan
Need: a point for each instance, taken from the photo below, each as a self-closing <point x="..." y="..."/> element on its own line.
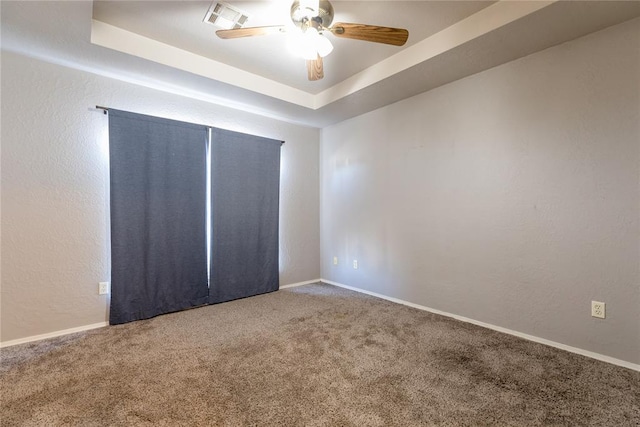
<point x="314" y="18"/>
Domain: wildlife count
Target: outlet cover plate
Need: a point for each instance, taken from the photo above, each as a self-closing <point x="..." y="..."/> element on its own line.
<point x="103" y="288"/>
<point x="598" y="309"/>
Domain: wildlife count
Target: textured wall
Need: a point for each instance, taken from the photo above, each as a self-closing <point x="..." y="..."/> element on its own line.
<point x="510" y="197"/>
<point x="55" y="200"/>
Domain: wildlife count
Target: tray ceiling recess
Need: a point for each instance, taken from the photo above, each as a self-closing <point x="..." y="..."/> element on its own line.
<point x="175" y="35"/>
<point x="166" y="45"/>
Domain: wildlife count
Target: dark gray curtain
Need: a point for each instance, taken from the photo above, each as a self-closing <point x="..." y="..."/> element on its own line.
<point x="245" y="183"/>
<point x="158" y="216"/>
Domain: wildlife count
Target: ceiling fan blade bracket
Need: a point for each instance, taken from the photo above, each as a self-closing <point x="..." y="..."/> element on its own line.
<point x="316" y="22"/>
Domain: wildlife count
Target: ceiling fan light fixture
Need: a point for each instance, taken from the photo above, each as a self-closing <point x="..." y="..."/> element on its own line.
<point x="323" y="46"/>
<point x="310" y="44"/>
<point x="311" y="18"/>
<point x="302" y="46"/>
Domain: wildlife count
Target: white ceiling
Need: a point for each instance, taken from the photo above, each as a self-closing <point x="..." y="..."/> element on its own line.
<point x="165" y="45"/>
<point x="180" y="24"/>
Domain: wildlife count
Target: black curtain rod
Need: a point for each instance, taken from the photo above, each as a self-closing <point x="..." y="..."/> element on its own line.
<point x="105" y="109"/>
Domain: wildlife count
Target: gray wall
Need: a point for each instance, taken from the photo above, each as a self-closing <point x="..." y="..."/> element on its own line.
<point x="55" y="200"/>
<point x="510" y="197"/>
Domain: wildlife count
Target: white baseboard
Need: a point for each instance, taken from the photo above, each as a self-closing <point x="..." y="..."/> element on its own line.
<point x="597" y="356"/>
<point x="53" y="334"/>
<point x="100" y="325"/>
<point x="293" y="285"/>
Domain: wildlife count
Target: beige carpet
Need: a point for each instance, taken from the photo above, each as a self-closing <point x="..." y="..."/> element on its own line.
<point x="315" y="356"/>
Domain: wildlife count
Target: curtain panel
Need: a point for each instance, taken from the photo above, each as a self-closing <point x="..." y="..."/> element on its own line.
<point x="245" y="191"/>
<point x="158" y="216"/>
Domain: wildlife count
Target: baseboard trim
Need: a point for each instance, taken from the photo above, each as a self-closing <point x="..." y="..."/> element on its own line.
<point x="587" y="353"/>
<point x="100" y="325"/>
<point x="293" y="285"/>
<point x="53" y="334"/>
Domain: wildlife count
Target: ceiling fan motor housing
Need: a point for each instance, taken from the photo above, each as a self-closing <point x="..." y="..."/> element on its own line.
<point x="301" y="15"/>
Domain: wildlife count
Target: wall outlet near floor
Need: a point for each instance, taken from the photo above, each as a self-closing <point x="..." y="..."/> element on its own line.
<point x="597" y="309"/>
<point x="335" y="260"/>
<point x="355" y="264"/>
<point x="103" y="288"/>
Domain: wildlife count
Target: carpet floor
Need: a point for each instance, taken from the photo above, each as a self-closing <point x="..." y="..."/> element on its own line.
<point x="314" y="355"/>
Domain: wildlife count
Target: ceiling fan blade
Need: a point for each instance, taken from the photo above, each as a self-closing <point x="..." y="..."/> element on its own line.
<point x="371" y="33"/>
<point x="250" y="31"/>
<point x="315" y="70"/>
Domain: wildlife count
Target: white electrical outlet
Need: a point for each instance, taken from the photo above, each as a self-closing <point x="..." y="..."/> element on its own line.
<point x="597" y="309"/>
<point x="355" y="264"/>
<point x="335" y="260"/>
<point x="103" y="288"/>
